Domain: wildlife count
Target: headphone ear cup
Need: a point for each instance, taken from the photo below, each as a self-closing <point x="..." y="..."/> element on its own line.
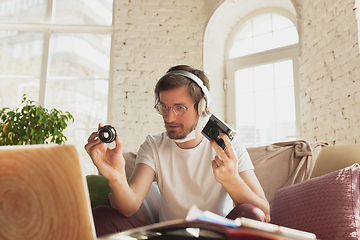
<point x="203" y="109"/>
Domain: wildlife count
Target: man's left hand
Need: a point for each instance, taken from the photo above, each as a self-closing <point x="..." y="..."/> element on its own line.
<point x="225" y="164"/>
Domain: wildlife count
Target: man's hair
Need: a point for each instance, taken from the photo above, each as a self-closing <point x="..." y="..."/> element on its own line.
<point x="171" y="81"/>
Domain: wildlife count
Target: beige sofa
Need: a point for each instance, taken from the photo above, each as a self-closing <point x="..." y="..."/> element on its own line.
<point x="285" y="169"/>
<point x="286" y="163"/>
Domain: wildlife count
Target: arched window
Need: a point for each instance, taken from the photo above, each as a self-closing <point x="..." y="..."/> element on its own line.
<point x="262" y="69"/>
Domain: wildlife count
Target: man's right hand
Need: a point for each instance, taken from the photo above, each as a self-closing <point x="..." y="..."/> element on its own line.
<point x="109" y="162"/>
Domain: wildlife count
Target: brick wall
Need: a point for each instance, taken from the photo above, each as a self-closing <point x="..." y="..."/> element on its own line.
<point x="330" y="71"/>
<point x="150" y="37"/>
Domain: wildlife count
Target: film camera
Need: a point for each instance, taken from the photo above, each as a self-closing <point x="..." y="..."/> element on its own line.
<point x="107" y="134"/>
<point x="214" y="127"/>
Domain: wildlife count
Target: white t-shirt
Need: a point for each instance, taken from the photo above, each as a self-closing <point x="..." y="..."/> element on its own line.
<point x="185" y="176"/>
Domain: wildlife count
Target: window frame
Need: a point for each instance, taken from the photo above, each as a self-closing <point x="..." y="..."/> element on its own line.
<point x="47" y="28"/>
<point x="290" y="52"/>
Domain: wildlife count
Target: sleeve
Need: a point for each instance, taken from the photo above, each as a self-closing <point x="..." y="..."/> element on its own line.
<point x="244" y="162"/>
<point x="146" y="153"/>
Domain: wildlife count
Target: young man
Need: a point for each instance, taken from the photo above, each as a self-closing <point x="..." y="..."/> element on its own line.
<point x="188" y="168"/>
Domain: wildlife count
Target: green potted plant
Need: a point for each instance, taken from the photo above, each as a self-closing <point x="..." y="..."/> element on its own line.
<point x="32" y="124"/>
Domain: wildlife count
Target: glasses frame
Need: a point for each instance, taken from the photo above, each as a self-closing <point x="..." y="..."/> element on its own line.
<point x="167" y="109"/>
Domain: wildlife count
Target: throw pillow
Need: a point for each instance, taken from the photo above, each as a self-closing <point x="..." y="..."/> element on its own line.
<point x="149" y="209"/>
<point x="99" y="190"/>
<point x="327" y="206"/>
<point x="284" y="163"/>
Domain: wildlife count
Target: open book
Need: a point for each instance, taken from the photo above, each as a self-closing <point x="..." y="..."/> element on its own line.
<point x="207" y="225"/>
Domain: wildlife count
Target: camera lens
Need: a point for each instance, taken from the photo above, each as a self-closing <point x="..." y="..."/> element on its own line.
<point x="214" y="132"/>
<point x="107" y="134"/>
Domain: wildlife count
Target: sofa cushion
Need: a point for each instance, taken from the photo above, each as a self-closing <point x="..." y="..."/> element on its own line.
<point x="327" y="205"/>
<point x="99" y="195"/>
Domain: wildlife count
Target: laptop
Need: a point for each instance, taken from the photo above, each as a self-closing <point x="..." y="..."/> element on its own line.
<point x="43" y="194"/>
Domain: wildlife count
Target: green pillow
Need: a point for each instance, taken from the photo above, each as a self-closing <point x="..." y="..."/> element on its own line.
<point x="99" y="189"/>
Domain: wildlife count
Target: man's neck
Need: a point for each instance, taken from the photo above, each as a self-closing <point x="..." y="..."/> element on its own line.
<point x="192" y="143"/>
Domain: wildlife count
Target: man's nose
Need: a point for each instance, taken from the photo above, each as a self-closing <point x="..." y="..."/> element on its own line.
<point x="171" y="116"/>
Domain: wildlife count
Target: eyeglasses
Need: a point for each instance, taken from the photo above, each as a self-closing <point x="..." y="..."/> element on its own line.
<point x="179" y="110"/>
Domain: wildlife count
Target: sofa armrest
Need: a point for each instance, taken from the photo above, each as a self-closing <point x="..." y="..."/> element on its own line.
<point x="333" y="158"/>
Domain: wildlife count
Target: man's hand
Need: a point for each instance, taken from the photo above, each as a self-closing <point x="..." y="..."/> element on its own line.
<point x="225" y="164"/>
<point x="109" y="162"/>
<point x="242" y="187"/>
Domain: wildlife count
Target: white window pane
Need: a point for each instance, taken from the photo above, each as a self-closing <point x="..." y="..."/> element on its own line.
<point x="286" y="132"/>
<point x="264" y="77"/>
<point x="245" y="87"/>
<point x="263" y="42"/>
<point x="20" y="66"/>
<point x="244" y="80"/>
<point x="265" y="108"/>
<point x="284" y="82"/>
<point x="88" y="12"/>
<point x="78" y="138"/>
<point x="242" y="48"/>
<point x="245" y="31"/>
<point x="268" y="31"/>
<point x="285" y="104"/>
<point x="21" y="53"/>
<point x="246" y="74"/>
<point x="265" y="115"/>
<point x="245" y="118"/>
<point x="85" y="99"/>
<point x="285" y="37"/>
<point x="80" y="55"/>
<point x="283" y="69"/>
<point x="280" y="22"/>
<point x="12" y="90"/>
<point x="22" y="11"/>
<point x="262" y="24"/>
<point x="245" y="105"/>
<point x="283" y="74"/>
<point x="78" y="76"/>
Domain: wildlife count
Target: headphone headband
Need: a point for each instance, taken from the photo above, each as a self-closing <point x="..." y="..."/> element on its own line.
<point x="197" y="80"/>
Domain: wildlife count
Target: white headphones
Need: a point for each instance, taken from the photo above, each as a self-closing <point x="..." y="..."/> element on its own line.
<point x="204" y="104"/>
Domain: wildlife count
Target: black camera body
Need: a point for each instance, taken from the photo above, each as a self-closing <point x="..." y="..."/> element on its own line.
<point x="214" y="127"/>
<point x="107" y="134"/>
